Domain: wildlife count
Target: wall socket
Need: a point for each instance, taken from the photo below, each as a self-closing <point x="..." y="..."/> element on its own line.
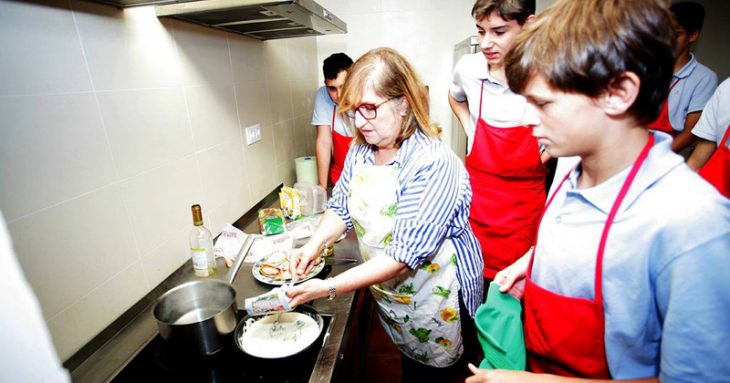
<point x="253" y="134"/>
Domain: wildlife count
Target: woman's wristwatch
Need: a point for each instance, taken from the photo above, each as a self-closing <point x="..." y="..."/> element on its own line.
<point x="331" y="289"/>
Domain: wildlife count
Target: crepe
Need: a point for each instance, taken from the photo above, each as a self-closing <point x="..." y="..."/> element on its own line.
<point x="278" y="336"/>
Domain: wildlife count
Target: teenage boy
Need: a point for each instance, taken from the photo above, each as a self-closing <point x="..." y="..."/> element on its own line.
<point x="692" y="83"/>
<point x="333" y="133"/>
<point x="628" y="279"/>
<point x="505" y="169"/>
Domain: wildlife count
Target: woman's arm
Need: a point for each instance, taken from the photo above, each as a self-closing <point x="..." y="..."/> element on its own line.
<point x="375" y="270"/>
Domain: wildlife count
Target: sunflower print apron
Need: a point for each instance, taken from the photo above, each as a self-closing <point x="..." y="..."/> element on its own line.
<point x="419" y="309"/>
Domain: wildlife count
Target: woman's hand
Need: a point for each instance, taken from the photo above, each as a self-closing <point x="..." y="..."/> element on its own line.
<point x="303" y="259"/>
<point x="512" y="278"/>
<point x="307" y="291"/>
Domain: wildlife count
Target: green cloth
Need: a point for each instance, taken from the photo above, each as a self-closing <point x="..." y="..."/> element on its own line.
<point x="499" y="329"/>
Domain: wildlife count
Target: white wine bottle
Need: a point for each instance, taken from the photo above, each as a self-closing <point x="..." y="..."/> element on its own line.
<point x="201" y="246"/>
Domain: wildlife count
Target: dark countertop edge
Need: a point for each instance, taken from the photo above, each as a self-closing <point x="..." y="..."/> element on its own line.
<point x="101" y="359"/>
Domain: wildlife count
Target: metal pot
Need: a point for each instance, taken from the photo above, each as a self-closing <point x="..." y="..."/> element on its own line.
<point x="196" y="318"/>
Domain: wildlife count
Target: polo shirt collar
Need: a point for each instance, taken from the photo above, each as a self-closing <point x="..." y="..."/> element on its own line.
<point x="687" y="69"/>
<point x="660" y="161"/>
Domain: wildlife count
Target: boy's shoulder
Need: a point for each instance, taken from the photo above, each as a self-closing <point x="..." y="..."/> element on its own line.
<point x="472" y="64"/>
<point x="699" y="73"/>
<point x="684" y="208"/>
<point x="322" y="98"/>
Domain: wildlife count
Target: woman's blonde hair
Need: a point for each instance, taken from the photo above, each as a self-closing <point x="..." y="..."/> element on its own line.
<point x="388" y="74"/>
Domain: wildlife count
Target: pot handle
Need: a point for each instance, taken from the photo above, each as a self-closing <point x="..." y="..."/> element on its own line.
<point x="239" y="259"/>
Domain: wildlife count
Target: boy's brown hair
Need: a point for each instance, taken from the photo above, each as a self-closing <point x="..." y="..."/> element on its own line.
<point x="518" y="10"/>
<point x="584" y="46"/>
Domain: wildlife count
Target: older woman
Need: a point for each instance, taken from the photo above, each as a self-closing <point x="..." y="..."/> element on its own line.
<point x="407" y="196"/>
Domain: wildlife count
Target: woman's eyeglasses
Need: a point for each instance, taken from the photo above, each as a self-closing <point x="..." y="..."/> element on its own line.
<point x="367" y="111"/>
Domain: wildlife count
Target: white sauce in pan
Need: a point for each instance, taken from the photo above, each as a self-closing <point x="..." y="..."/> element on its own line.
<point x="280" y="335"/>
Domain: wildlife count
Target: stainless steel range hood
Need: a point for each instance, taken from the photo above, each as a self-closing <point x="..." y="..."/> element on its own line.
<point x="259" y="19"/>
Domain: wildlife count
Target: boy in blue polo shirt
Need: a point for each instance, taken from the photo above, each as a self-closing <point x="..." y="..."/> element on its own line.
<point x="693" y="83"/>
<point x="628" y="279"/>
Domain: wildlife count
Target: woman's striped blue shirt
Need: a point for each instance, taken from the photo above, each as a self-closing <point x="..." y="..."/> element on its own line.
<point x="434" y="196"/>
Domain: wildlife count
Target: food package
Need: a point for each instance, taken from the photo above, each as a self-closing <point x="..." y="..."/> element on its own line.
<point x="290" y="202"/>
<point x="274" y="301"/>
<point x="271" y="221"/>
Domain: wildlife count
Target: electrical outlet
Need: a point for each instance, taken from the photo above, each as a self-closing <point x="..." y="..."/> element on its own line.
<point x="253" y="134"/>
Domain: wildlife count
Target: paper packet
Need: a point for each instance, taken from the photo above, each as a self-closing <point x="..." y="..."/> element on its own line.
<point x="275" y="301"/>
<point x="271" y="221"/>
<point x="290" y="201"/>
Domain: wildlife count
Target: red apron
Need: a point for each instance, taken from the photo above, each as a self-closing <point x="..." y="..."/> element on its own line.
<point x="662" y="123"/>
<point x="717" y="169"/>
<point x="565" y="335"/>
<point x="340" y="146"/>
<point x="508" y="184"/>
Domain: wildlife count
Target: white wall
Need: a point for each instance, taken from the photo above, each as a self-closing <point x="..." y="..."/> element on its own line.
<point x="112" y="123"/>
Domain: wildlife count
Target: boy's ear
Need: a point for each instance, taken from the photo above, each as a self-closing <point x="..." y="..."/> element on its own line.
<point x="621" y="94"/>
<point x="693" y="36"/>
<point x="529" y="20"/>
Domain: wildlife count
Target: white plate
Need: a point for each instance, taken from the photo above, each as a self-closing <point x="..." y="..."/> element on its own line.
<point x="283" y="266"/>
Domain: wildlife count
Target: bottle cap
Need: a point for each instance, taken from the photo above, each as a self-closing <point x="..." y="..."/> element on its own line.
<point x="197" y="215"/>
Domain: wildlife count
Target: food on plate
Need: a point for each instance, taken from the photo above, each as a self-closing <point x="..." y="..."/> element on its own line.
<point x="275" y="268"/>
<point x="277" y="258"/>
<point x="270" y="271"/>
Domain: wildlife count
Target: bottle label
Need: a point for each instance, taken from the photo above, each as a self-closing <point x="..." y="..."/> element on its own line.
<point x="200" y="262"/>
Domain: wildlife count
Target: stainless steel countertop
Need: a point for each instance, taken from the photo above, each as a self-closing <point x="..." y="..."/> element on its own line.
<point x="103" y="364"/>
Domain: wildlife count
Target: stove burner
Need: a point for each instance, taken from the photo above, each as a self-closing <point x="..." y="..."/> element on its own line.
<point x="159" y="362"/>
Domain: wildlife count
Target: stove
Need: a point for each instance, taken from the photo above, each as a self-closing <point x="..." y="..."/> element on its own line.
<point x="157" y="362"/>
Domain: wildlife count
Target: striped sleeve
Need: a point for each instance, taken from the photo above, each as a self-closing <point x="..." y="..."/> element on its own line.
<point x="429" y="194"/>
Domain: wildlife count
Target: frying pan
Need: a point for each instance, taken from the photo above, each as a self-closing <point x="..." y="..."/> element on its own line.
<point x="278" y="336"/>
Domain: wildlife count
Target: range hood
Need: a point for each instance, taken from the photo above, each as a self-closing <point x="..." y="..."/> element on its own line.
<point x="260" y="19"/>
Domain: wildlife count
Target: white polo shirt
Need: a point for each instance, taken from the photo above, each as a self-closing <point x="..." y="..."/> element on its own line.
<point x="716" y="116"/>
<point x="501" y="107"/>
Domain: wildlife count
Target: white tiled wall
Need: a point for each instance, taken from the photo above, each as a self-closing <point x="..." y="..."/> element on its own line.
<point x="112" y="123"/>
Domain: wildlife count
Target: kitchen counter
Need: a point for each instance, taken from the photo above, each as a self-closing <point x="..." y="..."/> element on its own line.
<point x="105" y="361"/>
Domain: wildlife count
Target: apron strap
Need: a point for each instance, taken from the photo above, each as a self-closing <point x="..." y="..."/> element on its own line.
<point x="612" y="214"/>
